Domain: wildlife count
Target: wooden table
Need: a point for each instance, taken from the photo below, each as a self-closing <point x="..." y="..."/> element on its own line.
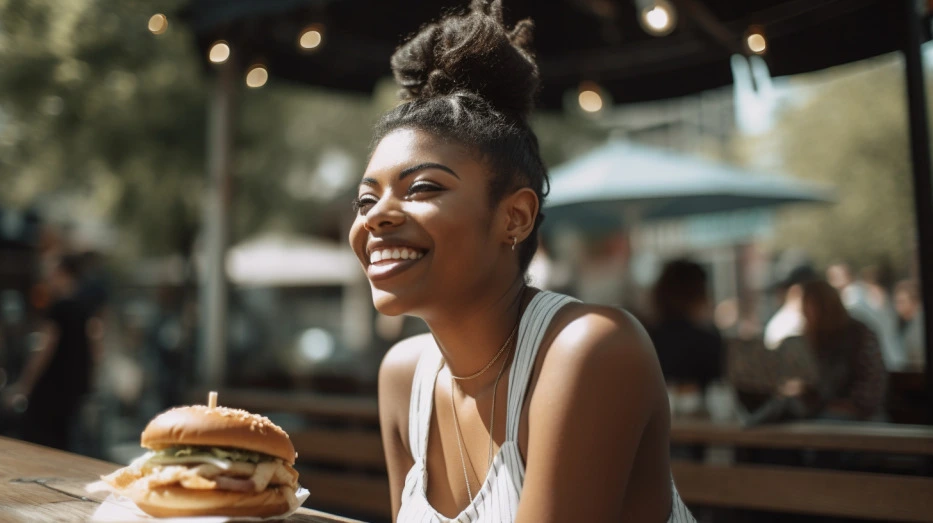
<point x="42" y="484"/>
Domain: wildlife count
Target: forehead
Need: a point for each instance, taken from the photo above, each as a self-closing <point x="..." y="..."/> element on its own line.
<point x="405" y="147"/>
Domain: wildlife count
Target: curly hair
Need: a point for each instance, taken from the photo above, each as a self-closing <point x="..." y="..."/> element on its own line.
<point x="470" y="79"/>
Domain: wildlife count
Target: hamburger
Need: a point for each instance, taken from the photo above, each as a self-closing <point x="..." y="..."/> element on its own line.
<point x="211" y="461"/>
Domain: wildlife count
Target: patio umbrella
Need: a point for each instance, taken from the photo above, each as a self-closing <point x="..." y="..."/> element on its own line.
<point x="642" y="183"/>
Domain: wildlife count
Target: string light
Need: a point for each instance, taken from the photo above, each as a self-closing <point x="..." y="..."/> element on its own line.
<point x="755" y="40"/>
<point x="590" y="99"/>
<point x="657" y="17"/>
<point x="311" y="37"/>
<point x="257" y="76"/>
<point x="158" y="24"/>
<point x="219" y="53"/>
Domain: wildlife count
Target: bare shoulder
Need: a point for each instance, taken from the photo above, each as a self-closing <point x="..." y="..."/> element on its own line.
<point x="600" y="335"/>
<point x="592" y="346"/>
<point x="399" y="363"/>
<point x="396" y="374"/>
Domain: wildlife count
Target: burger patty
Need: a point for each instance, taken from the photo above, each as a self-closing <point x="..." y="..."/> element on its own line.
<point x="238" y="477"/>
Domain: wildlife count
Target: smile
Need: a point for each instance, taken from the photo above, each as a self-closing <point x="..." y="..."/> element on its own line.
<point x="386" y="263"/>
<point x="393" y="254"/>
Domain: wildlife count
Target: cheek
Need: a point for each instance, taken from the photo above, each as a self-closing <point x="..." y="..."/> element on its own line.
<point x="460" y="234"/>
<point x="357" y="236"/>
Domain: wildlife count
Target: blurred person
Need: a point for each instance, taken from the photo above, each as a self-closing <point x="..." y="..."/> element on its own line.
<point x="788" y="321"/>
<point x="689" y="346"/>
<point x="852" y="378"/>
<point x="557" y="408"/>
<point x="58" y="374"/>
<point x="168" y="343"/>
<point x="910" y="321"/>
<point x="867" y="300"/>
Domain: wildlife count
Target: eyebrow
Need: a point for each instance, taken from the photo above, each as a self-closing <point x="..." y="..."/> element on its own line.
<point x="413" y="169"/>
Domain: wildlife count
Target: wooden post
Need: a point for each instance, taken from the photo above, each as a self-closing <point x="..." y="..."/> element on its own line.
<point x="213" y="287"/>
<point x="923" y="188"/>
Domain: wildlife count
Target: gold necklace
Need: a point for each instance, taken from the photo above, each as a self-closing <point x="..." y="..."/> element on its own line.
<point x="492" y="428"/>
<point x="493" y="360"/>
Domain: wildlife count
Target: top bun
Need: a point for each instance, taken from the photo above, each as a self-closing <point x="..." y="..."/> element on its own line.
<point x="218" y="427"/>
<point x="473" y="53"/>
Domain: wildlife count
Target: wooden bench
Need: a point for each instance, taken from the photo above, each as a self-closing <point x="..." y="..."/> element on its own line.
<point x="881" y="496"/>
<point x="856" y="437"/>
<point x="342" y="462"/>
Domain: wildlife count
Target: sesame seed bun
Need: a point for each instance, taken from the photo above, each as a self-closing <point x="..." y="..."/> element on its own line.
<point x="218" y="427"/>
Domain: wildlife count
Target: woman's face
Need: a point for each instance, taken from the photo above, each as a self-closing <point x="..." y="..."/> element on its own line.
<point x="424" y="231"/>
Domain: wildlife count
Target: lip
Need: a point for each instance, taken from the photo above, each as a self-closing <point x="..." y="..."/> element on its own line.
<point x="386" y="269"/>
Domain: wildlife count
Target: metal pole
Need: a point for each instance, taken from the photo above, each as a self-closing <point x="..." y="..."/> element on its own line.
<point x="216" y="218"/>
<point x="923" y="187"/>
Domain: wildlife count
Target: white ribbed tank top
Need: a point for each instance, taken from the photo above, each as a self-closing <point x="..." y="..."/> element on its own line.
<point x="497" y="499"/>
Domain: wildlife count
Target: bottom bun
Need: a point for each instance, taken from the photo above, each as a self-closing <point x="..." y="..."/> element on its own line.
<point x="167" y="502"/>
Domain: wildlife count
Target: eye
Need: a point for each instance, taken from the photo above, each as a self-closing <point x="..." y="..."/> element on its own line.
<point x="362" y="203"/>
<point x="423" y="186"/>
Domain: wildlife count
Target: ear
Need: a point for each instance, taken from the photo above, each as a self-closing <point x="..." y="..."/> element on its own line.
<point x="519" y="212"/>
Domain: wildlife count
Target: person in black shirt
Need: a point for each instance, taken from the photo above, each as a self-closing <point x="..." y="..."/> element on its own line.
<point x="689" y="347"/>
<point x="58" y="374"/>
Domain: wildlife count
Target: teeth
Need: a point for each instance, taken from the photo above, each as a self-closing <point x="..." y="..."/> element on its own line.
<point x="401" y="253"/>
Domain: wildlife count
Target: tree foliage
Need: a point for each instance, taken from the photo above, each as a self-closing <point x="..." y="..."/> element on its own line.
<point x="852" y="134"/>
<point x="102" y="118"/>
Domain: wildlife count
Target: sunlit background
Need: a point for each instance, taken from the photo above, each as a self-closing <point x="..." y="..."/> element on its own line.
<point x="200" y="157"/>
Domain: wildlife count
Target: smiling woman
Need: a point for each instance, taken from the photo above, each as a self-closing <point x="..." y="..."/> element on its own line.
<point x="547" y="409"/>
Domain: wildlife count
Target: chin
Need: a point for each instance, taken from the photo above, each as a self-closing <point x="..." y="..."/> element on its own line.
<point x="390" y="303"/>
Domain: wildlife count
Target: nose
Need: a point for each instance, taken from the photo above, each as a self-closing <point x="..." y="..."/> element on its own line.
<point x="384" y="214"/>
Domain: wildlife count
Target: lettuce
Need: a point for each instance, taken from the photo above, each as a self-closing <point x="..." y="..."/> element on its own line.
<point x="213" y="452"/>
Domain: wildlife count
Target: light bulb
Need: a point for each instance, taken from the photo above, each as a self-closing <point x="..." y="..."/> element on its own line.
<point x="657" y="17"/>
<point x="257" y="76"/>
<point x="219" y="52"/>
<point x="756" y="42"/>
<point x="310" y="38"/>
<point x="158" y="24"/>
<point x="590" y="101"/>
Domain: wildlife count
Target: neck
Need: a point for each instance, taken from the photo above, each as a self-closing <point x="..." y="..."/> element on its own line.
<point x="471" y="336"/>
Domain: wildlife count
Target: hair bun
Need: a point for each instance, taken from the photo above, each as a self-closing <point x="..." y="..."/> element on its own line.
<point x="472" y="53"/>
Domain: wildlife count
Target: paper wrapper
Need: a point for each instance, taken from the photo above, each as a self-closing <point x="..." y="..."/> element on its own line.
<point x="118" y="508"/>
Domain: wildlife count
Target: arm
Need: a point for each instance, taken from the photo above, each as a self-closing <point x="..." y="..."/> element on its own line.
<point x="599" y="386"/>
<point x="395" y="383"/>
<point x="42" y="356"/>
<point x="869" y="380"/>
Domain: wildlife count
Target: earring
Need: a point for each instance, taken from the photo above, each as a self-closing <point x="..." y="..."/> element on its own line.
<point x="514" y="241"/>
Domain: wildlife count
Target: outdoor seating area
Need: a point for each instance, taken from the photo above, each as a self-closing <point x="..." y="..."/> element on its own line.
<point x="341" y="454"/>
<point x="568" y="249"/>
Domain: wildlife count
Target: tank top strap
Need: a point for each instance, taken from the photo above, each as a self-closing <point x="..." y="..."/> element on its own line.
<point x="535" y="320"/>
<point x="422" y="401"/>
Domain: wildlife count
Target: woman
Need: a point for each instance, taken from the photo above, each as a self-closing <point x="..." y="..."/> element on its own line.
<point x="689" y="346"/>
<point x="852" y="377"/>
<point x="520" y="405"/>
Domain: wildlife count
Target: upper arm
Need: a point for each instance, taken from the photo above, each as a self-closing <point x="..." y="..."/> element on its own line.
<point x="868" y="387"/>
<point x="395" y="381"/>
<point x="599" y="386"/>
